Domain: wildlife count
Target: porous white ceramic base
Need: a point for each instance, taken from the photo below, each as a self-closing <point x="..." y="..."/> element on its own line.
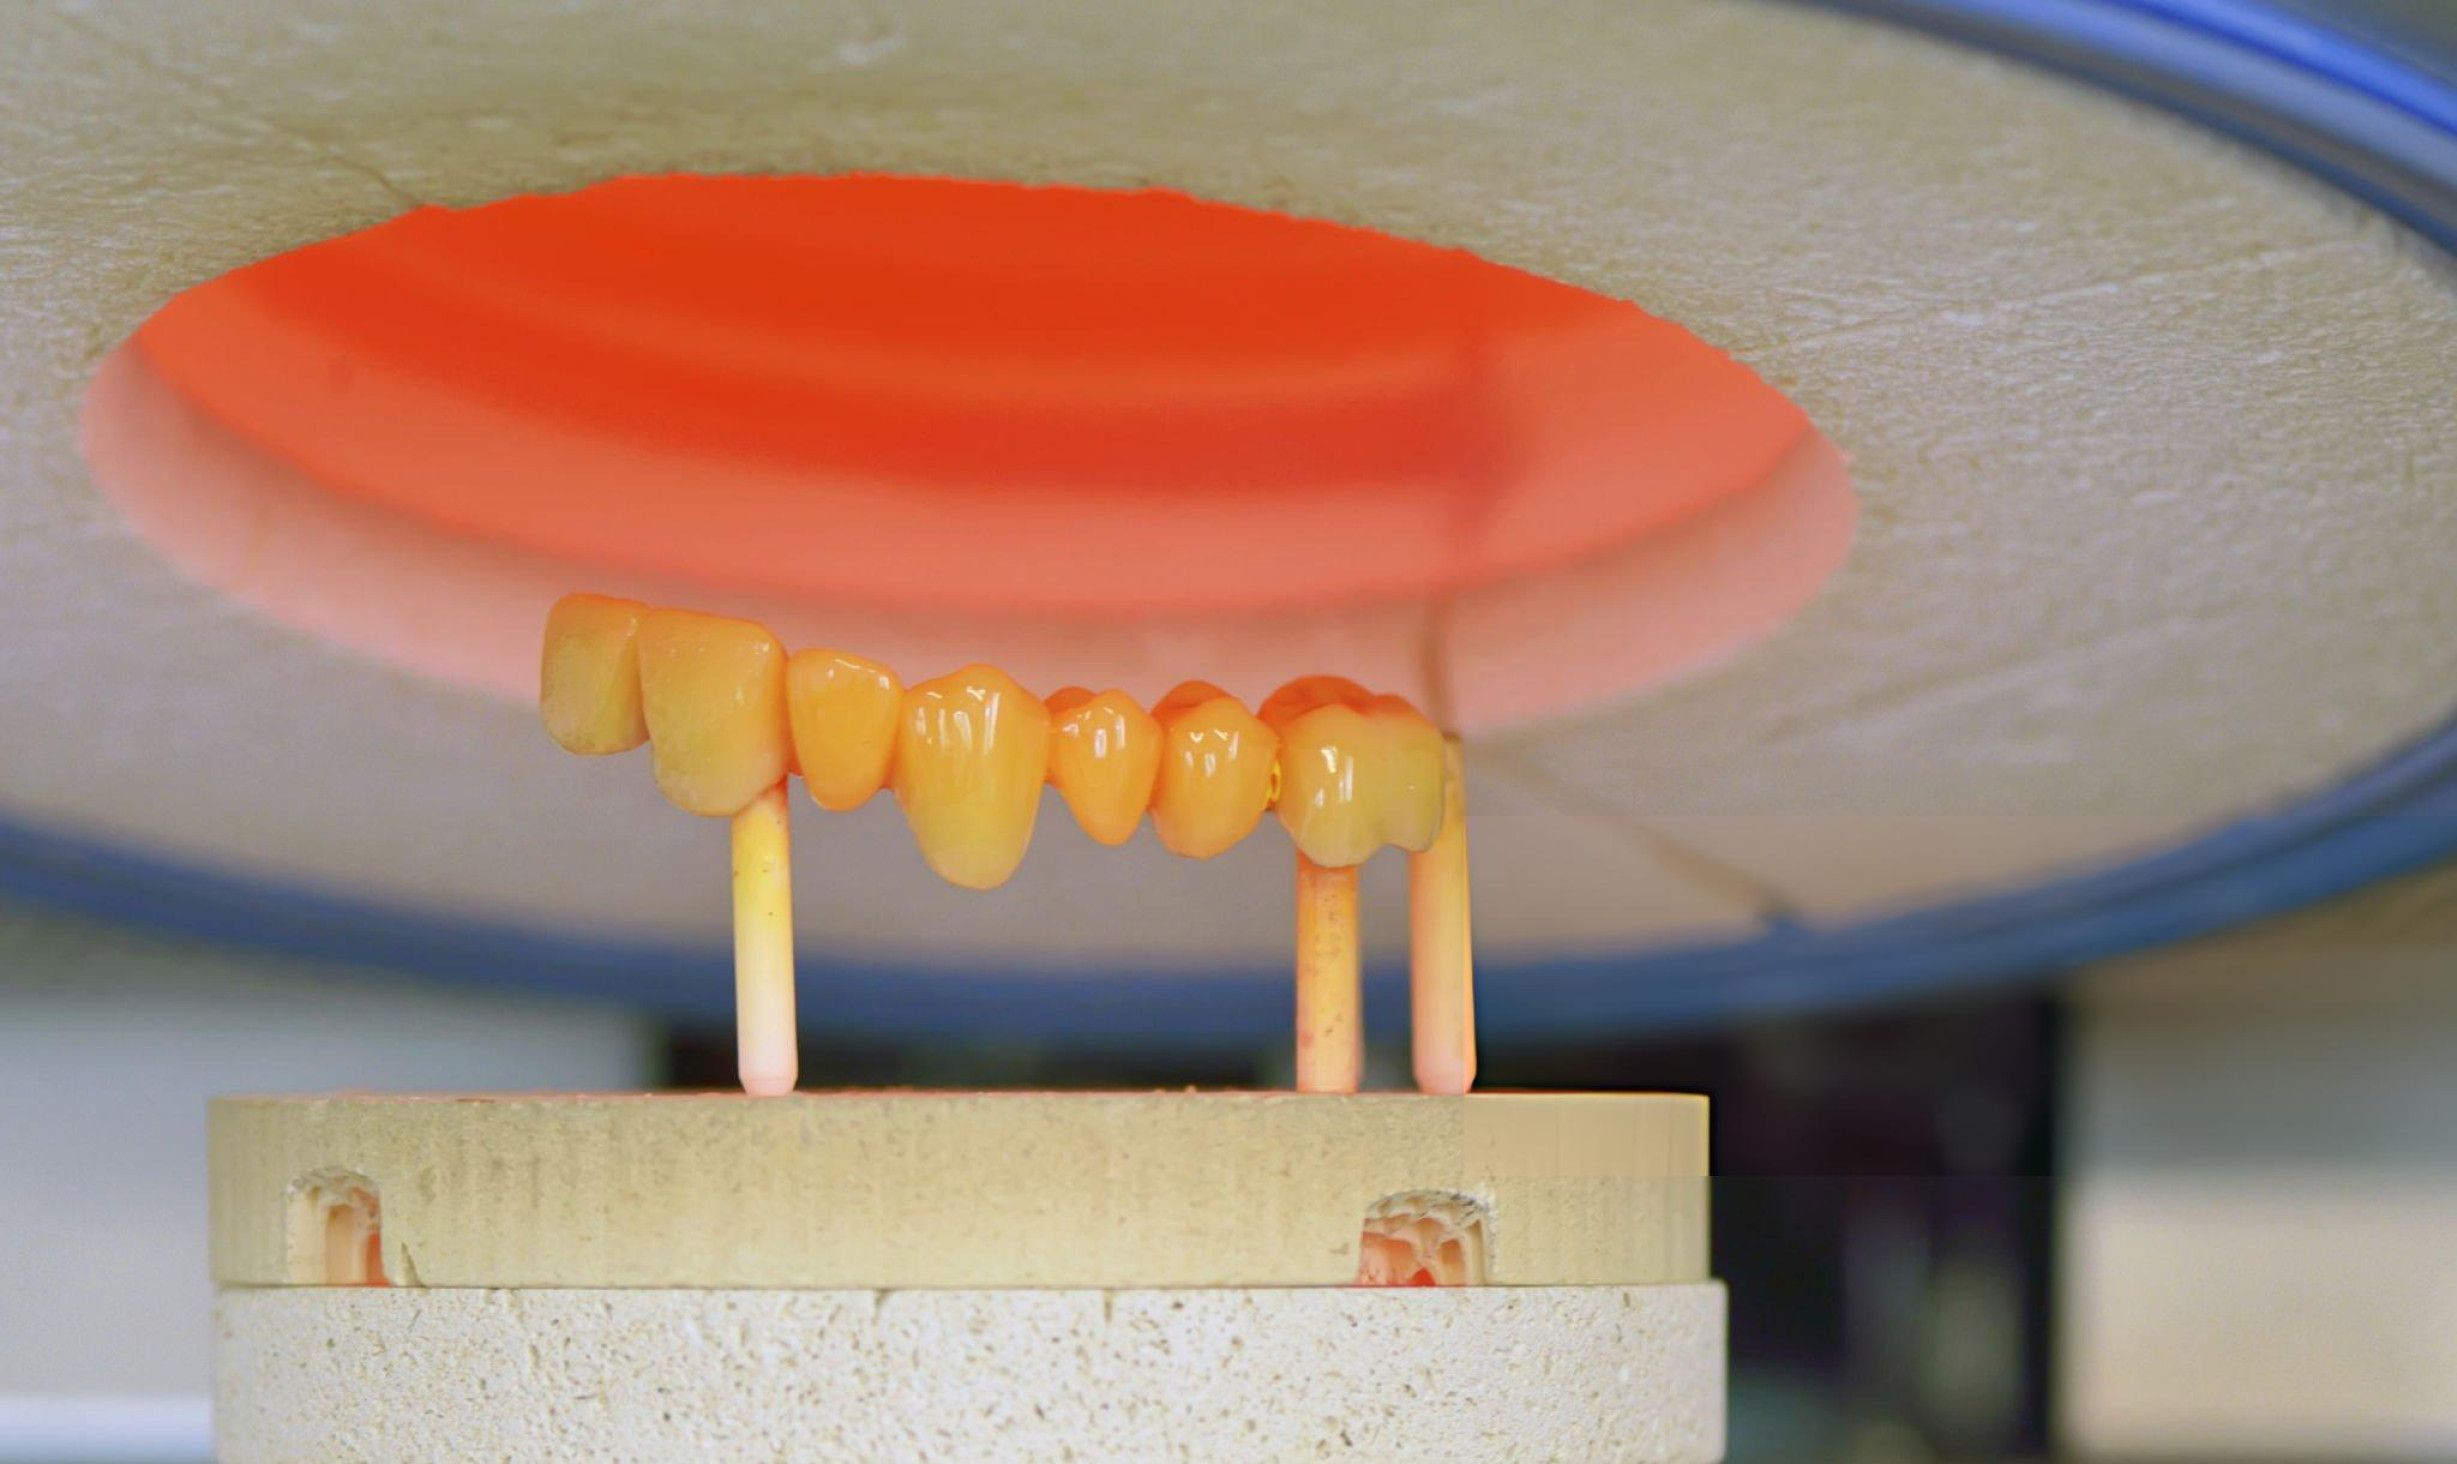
<point x="1624" y="1373"/>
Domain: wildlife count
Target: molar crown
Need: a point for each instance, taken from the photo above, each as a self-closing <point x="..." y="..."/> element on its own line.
<point x="1357" y="771"/>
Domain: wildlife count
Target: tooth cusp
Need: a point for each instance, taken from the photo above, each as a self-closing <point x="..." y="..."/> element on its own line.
<point x="712" y="692"/>
<point x="1308" y="693"/>
<point x="971" y="757"/>
<point x="1183" y="698"/>
<point x="589" y="675"/>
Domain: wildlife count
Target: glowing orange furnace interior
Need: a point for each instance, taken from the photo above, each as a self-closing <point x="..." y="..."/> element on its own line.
<point x="1096" y="440"/>
<point x="962" y="395"/>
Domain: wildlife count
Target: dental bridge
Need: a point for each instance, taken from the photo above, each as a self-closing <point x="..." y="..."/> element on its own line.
<point x="729" y="716"/>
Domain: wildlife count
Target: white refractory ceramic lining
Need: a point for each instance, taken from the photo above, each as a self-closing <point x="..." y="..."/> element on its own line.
<point x="2152" y="435"/>
<point x="1629" y="1374"/>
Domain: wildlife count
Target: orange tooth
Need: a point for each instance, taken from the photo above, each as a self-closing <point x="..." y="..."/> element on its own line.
<point x="1218" y="770"/>
<point x="1185" y="697"/>
<point x="972" y="751"/>
<point x="1104" y="756"/>
<point x="713" y="693"/>
<point x="1357" y="771"/>
<point x="589" y="676"/>
<point x="1330" y="765"/>
<point x="1324" y="797"/>
<point x="844" y="709"/>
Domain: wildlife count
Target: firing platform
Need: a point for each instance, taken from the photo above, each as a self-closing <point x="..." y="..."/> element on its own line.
<point x="960" y="1276"/>
<point x="901" y="1190"/>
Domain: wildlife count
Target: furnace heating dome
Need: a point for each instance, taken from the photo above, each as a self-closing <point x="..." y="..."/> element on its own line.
<point x="2067" y="566"/>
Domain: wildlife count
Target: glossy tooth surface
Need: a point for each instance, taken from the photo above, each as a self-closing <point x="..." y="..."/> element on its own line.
<point x="1218" y="770"/>
<point x="589" y="675"/>
<point x="1357" y="771"/>
<point x="1104" y="756"/>
<point x="1329" y="762"/>
<point x="713" y="693"/>
<point x="971" y="756"/>
<point x="844" y="711"/>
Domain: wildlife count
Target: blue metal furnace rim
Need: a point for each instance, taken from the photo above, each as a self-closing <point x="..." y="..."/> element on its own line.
<point x="2187" y="38"/>
<point x="2376" y="127"/>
